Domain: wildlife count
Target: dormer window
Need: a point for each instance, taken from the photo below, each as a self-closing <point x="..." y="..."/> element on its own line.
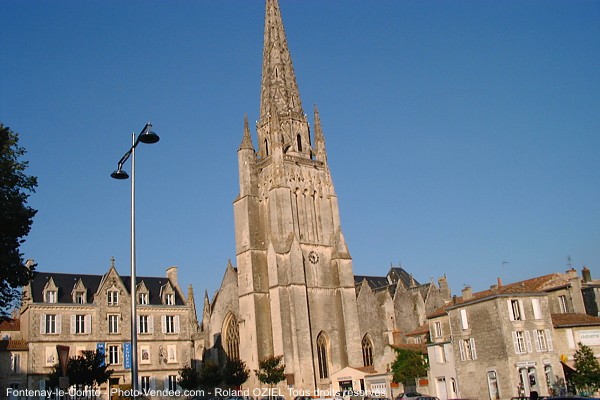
<point x="113" y="297"/>
<point x="51" y="296"/>
<point x="143" y="298"/>
<point x="170" y="299"/>
<point x="80" y="297"/>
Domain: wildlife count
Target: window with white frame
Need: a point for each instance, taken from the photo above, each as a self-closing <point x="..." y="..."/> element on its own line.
<point x="80" y="324"/>
<point x="170" y="299"/>
<point x="112" y="297"/>
<point x="543" y="340"/>
<point x="522" y="342"/>
<point x="515" y="309"/>
<point x="51" y="296"/>
<point x="143" y="298"/>
<point x="113" y="323"/>
<point x="145" y="324"/>
<point x="170" y="323"/>
<point x="113" y="354"/>
<point x="50" y="324"/>
<point x="171" y="383"/>
<point x="144" y="383"/>
<point x="437" y="329"/>
<point x="79" y="297"/>
<point x="562" y="304"/>
<point x="467" y="349"/>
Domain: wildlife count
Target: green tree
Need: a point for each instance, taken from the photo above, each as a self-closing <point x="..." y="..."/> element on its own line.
<point x="235" y="373"/>
<point x="210" y="376"/>
<point x="408" y="366"/>
<point x="270" y="370"/>
<point x="16" y="218"/>
<point x="85" y="371"/>
<point x="586" y="377"/>
<point x="189" y="378"/>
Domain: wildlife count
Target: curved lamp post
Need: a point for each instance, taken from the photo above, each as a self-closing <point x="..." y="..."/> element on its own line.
<point x="148" y="137"/>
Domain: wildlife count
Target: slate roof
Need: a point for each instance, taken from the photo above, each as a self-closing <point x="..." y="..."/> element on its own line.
<point x="66" y="282"/>
<point x="572" y="319"/>
<point x="377" y="283"/>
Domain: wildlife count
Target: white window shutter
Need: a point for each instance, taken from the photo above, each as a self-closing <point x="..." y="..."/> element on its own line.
<point x="166" y="387"/>
<point x="163" y="322"/>
<point x="537" y="309"/>
<point x="549" y="340"/>
<point x="461" y="348"/>
<point x="538" y="345"/>
<point x="463" y="319"/>
<point x="511" y="315"/>
<point x="150" y="324"/>
<point x="516" y="342"/>
<point x="152" y="383"/>
<point x="528" y="342"/>
<point x="521" y="310"/>
<point x="473" y="350"/>
<point x="73" y="322"/>
<point x="88" y="323"/>
<point x="570" y="338"/>
<point x="43" y="324"/>
<point x="177" y="324"/>
<point x="447" y="351"/>
<point x="58" y="323"/>
<point x="139" y="322"/>
<point x="438" y="355"/>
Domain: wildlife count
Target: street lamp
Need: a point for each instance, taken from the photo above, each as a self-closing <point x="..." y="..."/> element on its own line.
<point x="148" y="137"/>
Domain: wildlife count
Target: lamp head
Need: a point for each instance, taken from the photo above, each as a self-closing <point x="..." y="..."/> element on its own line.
<point x="119" y="174"/>
<point x="147" y="136"/>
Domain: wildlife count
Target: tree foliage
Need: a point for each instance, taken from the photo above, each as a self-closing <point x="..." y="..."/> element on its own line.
<point x="189" y="378"/>
<point x="235" y="373"/>
<point x="87" y="370"/>
<point x="210" y="375"/>
<point x="16" y="217"/>
<point x="586" y="377"/>
<point x="270" y="370"/>
<point x="408" y="366"/>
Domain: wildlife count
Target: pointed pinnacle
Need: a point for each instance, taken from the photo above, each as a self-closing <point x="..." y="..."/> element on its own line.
<point x="247" y="139"/>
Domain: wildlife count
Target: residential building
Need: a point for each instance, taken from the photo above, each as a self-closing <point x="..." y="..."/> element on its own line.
<point x="93" y="312"/>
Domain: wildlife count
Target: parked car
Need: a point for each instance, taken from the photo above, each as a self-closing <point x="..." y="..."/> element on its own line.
<point x="408" y="396"/>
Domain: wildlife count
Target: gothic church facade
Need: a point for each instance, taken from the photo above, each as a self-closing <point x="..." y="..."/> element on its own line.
<point x="293" y="291"/>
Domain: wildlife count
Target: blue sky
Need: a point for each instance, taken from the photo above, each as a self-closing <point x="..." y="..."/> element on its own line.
<point x="460" y="134"/>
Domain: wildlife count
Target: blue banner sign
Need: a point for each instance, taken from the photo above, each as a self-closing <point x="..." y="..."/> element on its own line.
<point x="127" y="355"/>
<point x="101" y="348"/>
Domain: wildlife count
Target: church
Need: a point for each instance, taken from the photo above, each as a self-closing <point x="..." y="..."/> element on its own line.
<point x="293" y="292"/>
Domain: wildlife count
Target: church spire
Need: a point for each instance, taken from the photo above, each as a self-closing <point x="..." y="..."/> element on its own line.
<point x="246" y="139"/>
<point x="279" y="89"/>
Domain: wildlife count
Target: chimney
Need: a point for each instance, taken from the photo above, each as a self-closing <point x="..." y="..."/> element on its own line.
<point x="571" y="273"/>
<point x="499" y="282"/>
<point x="467" y="293"/>
<point x="172" y="275"/>
<point x="586" y="275"/>
<point x="444" y="289"/>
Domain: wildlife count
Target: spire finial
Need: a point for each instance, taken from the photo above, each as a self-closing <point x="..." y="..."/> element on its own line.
<point x="246" y="139"/>
<point x="279" y="87"/>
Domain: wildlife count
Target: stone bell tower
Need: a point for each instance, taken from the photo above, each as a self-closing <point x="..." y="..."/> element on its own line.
<point x="295" y="278"/>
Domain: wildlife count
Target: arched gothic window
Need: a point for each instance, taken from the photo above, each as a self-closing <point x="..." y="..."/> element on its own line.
<point x="367" y="351"/>
<point x="266" y="148"/>
<point x="232" y="338"/>
<point x="322" y="355"/>
<point x="299" y="141"/>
